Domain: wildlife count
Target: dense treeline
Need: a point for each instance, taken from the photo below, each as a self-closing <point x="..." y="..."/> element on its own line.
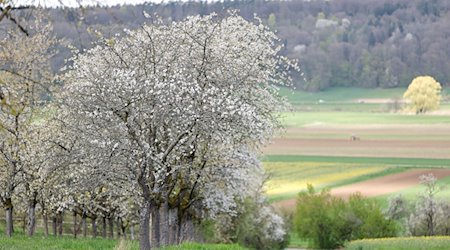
<point x="369" y="43"/>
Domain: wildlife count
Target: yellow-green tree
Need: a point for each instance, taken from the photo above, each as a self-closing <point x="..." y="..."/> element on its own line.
<point x="424" y="93"/>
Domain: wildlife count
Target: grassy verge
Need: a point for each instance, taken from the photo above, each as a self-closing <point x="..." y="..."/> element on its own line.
<point x="403" y="243"/>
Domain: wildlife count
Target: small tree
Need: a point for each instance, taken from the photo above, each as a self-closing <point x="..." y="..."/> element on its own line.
<point x="424" y="92"/>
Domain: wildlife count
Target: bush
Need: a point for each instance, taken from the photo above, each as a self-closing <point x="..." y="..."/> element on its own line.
<point x="330" y="221"/>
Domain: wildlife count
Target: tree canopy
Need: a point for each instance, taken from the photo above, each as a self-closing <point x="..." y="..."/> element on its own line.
<point x="424" y="93"/>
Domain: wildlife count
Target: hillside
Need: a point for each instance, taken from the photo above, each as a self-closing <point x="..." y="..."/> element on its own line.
<point x="371" y="43"/>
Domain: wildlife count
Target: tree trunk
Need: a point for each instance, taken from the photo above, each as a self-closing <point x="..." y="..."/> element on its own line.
<point x="31" y="221"/>
<point x="144" y="226"/>
<point x="104" y="227"/>
<point x="111" y="227"/>
<point x="188" y="230"/>
<point x="132" y="232"/>
<point x="164" y="223"/>
<point x="156" y="229"/>
<point x="94" y="227"/>
<point x="124" y="230"/>
<point x="60" y="223"/>
<point x="9" y="217"/>
<point x="83" y="222"/>
<point x="54" y="223"/>
<point x="119" y="228"/>
<point x="45" y="219"/>
<point x="173" y="226"/>
<point x="75" y="230"/>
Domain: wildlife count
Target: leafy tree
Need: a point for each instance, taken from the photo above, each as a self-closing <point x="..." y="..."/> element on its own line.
<point x="330" y="221"/>
<point x="25" y="77"/>
<point x="424" y="92"/>
<point x="168" y="101"/>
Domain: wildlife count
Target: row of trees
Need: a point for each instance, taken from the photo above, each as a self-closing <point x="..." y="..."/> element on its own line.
<point x="161" y="126"/>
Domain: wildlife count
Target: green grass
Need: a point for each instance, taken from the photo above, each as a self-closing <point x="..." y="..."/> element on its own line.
<point x="296" y="242"/>
<point x="21" y="242"/>
<point x="198" y="246"/>
<point x="340" y="94"/>
<point x="403" y="243"/>
<point x="404" y="162"/>
<point x="346" y="99"/>
<point x="299" y="119"/>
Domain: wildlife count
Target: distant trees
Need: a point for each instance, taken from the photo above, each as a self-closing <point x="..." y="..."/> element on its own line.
<point x="424" y="92"/>
<point x="371" y="44"/>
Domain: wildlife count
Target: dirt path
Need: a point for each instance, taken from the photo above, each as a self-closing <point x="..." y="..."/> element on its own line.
<point x="378" y="186"/>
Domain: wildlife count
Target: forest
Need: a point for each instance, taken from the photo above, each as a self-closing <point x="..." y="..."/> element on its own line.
<point x="369" y="43"/>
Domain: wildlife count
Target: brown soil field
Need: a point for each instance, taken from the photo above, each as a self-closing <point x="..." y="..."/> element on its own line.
<point x="378" y="186"/>
<point x="374" y="141"/>
<point x="363" y="148"/>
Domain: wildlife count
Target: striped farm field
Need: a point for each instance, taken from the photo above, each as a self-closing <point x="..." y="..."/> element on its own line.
<point x="430" y="141"/>
<point x="290" y="174"/>
<point x="287" y="179"/>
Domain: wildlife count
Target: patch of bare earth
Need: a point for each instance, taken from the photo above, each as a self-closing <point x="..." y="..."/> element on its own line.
<point x="378" y="186"/>
<point x="361" y="148"/>
<point x="416" y="141"/>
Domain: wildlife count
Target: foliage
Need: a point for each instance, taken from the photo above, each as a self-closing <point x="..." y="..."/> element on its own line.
<point x="177" y="111"/>
<point x="428" y="215"/>
<point x="330" y="221"/>
<point x="26" y="82"/>
<point x="258" y="226"/>
<point x="401" y="243"/>
<point x="424" y="92"/>
<point x="372" y="43"/>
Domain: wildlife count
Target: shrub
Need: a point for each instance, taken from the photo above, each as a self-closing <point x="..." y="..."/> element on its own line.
<point x="330" y="221"/>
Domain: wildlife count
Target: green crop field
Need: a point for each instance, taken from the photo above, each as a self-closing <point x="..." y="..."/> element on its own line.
<point x="299" y="119"/>
<point x="340" y="94"/>
<point x="401" y="243"/>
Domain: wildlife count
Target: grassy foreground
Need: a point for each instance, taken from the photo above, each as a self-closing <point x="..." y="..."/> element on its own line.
<point x="21" y="242"/>
<point x="401" y="243"/>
